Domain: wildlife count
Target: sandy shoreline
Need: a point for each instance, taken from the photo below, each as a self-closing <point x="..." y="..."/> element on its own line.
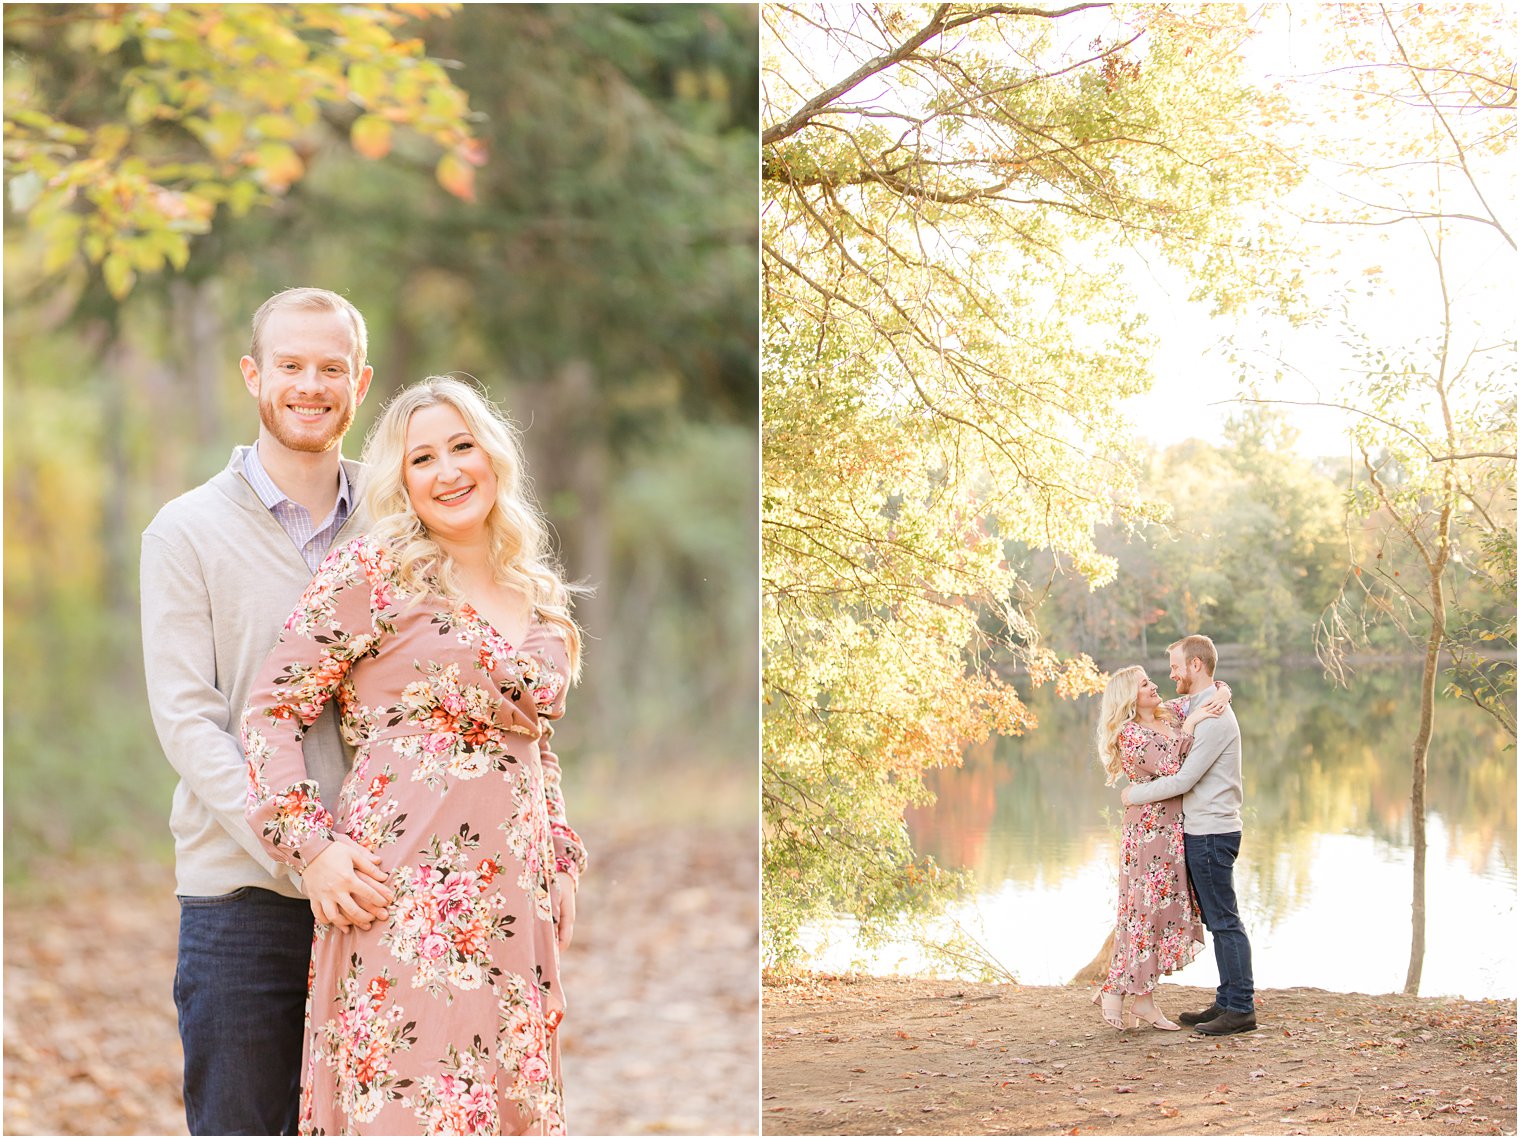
<point x="849" y="1055"/>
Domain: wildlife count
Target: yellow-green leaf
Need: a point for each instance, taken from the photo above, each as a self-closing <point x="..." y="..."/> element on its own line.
<point x="142" y="253"/>
<point x="277" y="164"/>
<point x="221" y="35"/>
<point x="62" y="243"/>
<point x="107" y="35"/>
<point x="241" y="197"/>
<point x="446" y="102"/>
<point x="119" y="275"/>
<point x="366" y="81"/>
<point x="275" y="126"/>
<point x="110" y="139"/>
<point x="371" y="136"/>
<point x="143" y="104"/>
<point x="177" y="248"/>
<point x="305" y="113"/>
<point x="285" y="47"/>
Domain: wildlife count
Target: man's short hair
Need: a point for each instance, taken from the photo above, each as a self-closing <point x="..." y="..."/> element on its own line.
<point x="1197" y="645"/>
<point x="309" y="298"/>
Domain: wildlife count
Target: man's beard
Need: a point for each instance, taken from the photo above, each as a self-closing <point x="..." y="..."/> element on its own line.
<point x="270" y="418"/>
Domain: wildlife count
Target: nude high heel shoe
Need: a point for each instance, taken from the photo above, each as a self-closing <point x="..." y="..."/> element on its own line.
<point x="1112" y="1006"/>
<point x="1154" y="1016"/>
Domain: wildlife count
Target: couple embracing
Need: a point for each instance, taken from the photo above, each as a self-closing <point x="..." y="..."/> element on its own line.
<point x="354" y="668"/>
<point x="1180" y="836"/>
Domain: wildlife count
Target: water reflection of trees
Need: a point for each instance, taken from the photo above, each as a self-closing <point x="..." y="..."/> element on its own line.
<point x="1318" y="760"/>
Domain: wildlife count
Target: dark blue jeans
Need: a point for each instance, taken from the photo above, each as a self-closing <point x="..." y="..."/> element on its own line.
<point x="1211" y="867"/>
<point x="240" y="989"/>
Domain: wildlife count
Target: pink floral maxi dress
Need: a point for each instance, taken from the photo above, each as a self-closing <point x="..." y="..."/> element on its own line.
<point x="442" y="1019"/>
<point x="1158" y="929"/>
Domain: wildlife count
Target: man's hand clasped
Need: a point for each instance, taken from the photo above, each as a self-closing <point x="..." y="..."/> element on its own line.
<point x="346" y="885"/>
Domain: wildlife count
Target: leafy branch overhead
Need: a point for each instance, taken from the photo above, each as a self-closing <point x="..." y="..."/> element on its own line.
<point x="954" y="197"/>
<point x="128" y="126"/>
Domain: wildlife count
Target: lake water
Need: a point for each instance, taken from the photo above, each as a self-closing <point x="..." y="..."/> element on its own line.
<point x="1324" y="876"/>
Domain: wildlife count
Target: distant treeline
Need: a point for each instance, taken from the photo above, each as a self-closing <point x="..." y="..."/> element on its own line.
<point x="1255" y="548"/>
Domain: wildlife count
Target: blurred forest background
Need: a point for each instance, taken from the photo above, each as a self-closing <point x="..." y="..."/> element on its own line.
<point x="556" y="200"/>
<point x="596" y="273"/>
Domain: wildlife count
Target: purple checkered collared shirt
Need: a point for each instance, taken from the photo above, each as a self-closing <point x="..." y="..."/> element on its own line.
<point x="295" y="519"/>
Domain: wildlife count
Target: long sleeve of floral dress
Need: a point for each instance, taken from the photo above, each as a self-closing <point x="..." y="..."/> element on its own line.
<point x="333" y="625"/>
<point x="1143" y="762"/>
<point x="569" y="851"/>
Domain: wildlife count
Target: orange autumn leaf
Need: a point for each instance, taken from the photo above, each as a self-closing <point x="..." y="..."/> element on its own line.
<point x="278" y="165"/>
<point x="371" y="136"/>
<point x="457" y="176"/>
<point x="473" y="151"/>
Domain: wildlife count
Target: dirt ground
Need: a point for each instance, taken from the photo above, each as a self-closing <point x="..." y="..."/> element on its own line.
<point x="662" y="1036"/>
<point x="891" y="1056"/>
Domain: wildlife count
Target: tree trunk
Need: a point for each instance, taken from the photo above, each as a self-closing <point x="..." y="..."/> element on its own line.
<point x="1417" y="787"/>
<point x="202" y="379"/>
<point x="572" y="455"/>
<point x="1095" y="972"/>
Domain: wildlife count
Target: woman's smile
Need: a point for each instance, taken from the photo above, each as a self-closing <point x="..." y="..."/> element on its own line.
<point x="448" y="475"/>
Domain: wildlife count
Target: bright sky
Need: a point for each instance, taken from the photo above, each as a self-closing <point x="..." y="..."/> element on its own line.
<point x="1191" y="369"/>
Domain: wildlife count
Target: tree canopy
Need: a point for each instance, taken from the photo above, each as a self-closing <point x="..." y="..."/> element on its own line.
<point x="128" y="125"/>
<point x="951" y="193"/>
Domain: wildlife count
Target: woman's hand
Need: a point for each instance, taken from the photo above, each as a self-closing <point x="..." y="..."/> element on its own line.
<point x="1213" y="706"/>
<point x="346" y="885"/>
<point x="1208" y="710"/>
<point x="564" y="909"/>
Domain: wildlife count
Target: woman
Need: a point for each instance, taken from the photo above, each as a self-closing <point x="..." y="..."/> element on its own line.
<point x="1158" y="929"/>
<point x="445" y="636"/>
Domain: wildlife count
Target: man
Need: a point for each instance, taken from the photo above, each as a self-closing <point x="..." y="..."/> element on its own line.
<point x="222" y="569"/>
<point x="1210" y="785"/>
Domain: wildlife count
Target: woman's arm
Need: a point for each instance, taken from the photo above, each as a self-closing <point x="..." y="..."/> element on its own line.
<point x="569" y="851"/>
<point x="1143" y="753"/>
<point x="1200" y="757"/>
<point x="1138" y="754"/>
<point x="1213" y="706"/>
<point x="332" y="626"/>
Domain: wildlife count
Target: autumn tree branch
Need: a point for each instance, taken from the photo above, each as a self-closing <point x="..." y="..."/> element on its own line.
<point x="939" y="23"/>
<point x="1414" y="73"/>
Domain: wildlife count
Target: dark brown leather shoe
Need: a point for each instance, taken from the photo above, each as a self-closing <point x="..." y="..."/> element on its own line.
<point x="1203" y="1017"/>
<point x="1228" y="1023"/>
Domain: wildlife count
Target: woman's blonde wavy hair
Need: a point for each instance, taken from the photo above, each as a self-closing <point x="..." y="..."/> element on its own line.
<point x="1118" y="709"/>
<point x="519" y="535"/>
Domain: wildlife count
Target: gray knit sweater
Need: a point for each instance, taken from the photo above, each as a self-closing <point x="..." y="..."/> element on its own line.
<point x="1209" y="780"/>
<point x="219" y="579"/>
